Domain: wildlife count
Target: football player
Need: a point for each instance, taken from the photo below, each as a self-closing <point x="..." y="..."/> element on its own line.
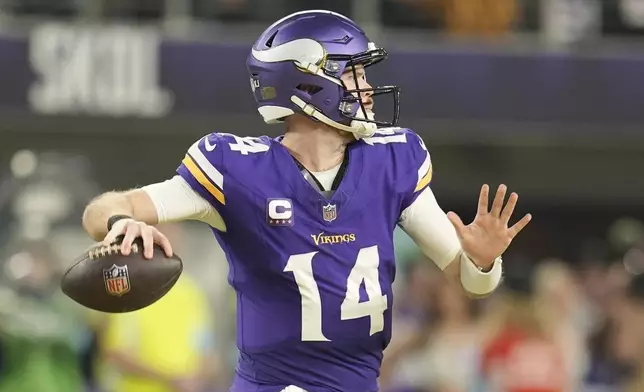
<point x="306" y="219"/>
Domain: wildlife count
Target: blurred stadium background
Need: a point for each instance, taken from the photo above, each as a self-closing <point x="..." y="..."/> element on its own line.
<point x="544" y="95"/>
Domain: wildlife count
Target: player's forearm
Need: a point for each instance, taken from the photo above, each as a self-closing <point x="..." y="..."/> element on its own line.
<point x="429" y="227"/>
<point x="101" y="209"/>
<point x="134" y="203"/>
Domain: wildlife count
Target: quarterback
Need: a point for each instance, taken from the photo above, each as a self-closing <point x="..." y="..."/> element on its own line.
<point x="306" y="219"/>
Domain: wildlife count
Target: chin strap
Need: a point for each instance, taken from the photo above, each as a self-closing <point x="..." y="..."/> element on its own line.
<point x="359" y="129"/>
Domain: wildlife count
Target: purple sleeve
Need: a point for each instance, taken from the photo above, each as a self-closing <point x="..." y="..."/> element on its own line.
<point x="203" y="169"/>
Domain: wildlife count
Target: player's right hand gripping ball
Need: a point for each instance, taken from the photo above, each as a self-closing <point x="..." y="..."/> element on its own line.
<point x="105" y="280"/>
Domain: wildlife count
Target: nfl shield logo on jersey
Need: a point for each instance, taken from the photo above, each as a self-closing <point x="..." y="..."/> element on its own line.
<point x="117" y="280"/>
<point x="329" y="212"/>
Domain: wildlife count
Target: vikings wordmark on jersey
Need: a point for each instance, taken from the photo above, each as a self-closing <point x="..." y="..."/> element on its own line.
<point x="313" y="275"/>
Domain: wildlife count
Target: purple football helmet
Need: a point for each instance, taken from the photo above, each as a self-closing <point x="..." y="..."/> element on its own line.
<point x="296" y="64"/>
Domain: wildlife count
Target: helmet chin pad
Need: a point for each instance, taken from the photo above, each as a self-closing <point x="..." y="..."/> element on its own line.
<point x="359" y="129"/>
<point x="364" y="128"/>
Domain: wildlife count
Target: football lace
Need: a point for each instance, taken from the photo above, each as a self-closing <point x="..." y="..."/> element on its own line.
<point x="109" y="250"/>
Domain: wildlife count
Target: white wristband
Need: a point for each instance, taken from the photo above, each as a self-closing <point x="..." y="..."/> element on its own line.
<point x="477" y="282"/>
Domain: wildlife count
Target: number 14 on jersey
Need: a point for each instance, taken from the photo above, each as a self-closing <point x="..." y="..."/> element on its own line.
<point x="365" y="270"/>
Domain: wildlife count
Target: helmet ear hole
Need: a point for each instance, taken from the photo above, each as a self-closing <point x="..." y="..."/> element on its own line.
<point x="310" y="89"/>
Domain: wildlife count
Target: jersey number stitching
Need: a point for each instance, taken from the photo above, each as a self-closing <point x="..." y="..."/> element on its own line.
<point x="365" y="270"/>
<point x="391" y="135"/>
<point x="246" y="144"/>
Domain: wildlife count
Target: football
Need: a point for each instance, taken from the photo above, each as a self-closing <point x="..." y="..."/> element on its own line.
<point x="105" y="280"/>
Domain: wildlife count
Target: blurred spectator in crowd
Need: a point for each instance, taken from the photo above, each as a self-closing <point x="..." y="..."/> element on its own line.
<point x="606" y="369"/>
<point x="166" y="347"/>
<point x="632" y="333"/>
<point x="448" y="362"/>
<point x="466" y="18"/>
<point x="414" y="314"/>
<point x="485" y="18"/>
<point x="43" y="334"/>
<point x="435" y="347"/>
<point x="558" y="298"/>
<point x="523" y="352"/>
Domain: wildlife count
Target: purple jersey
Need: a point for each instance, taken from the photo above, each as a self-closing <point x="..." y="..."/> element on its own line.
<point x="313" y="276"/>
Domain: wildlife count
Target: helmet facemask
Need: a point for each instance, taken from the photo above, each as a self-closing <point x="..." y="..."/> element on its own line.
<point x="352" y="106"/>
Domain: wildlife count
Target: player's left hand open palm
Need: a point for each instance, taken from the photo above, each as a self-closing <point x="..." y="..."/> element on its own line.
<point x="489" y="235"/>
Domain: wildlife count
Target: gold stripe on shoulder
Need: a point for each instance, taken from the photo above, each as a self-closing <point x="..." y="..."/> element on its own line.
<point x="198" y="174"/>
<point x="425" y="180"/>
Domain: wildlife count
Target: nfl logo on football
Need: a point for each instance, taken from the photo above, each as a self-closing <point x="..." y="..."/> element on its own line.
<point x="329" y="212"/>
<point x="117" y="280"/>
